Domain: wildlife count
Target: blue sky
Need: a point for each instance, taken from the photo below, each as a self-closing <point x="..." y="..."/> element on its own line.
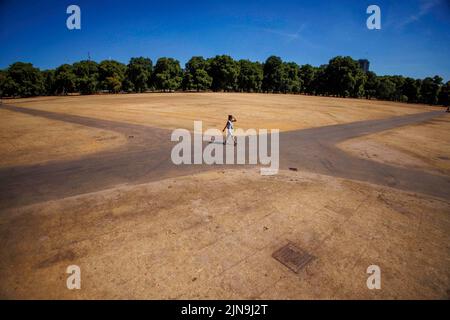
<point x="414" y="39"/>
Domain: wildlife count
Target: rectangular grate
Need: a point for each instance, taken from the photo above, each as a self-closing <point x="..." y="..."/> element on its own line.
<point x="292" y="257"/>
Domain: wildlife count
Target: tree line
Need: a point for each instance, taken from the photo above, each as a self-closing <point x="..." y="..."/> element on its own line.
<point x="341" y="77"/>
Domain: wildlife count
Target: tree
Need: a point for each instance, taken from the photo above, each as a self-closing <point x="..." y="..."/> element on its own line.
<point x="111" y="75"/>
<point x="23" y="80"/>
<point x="273" y="74"/>
<point x="444" y="95"/>
<point x="195" y="75"/>
<point x="113" y="84"/>
<point x="307" y="77"/>
<point x="167" y="74"/>
<point x="342" y="77"/>
<point x="386" y="89"/>
<point x="345" y="77"/>
<point x="127" y="85"/>
<point x="139" y="72"/>
<point x="291" y="82"/>
<point x="250" y="76"/>
<point x="49" y="82"/>
<point x="399" y="82"/>
<point x="2" y="82"/>
<point x="65" y="79"/>
<point x="371" y="85"/>
<point x="320" y="82"/>
<point x="87" y="76"/>
<point x="430" y="89"/>
<point x="224" y="72"/>
<point x="411" y="89"/>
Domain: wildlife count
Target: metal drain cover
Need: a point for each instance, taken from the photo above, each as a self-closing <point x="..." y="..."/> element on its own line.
<point x="292" y="257"/>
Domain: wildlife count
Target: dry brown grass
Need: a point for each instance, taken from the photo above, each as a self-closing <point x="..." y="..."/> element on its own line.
<point x="179" y="110"/>
<point x="424" y="146"/>
<point x="26" y="139"/>
<point x="212" y="235"/>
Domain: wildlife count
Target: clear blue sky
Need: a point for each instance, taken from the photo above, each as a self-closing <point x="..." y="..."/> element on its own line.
<point x="414" y="39"/>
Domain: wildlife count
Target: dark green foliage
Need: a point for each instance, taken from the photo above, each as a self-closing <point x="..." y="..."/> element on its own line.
<point x="444" y="94"/>
<point x="167" y="74"/>
<point x="65" y="79"/>
<point x="110" y="75"/>
<point x="250" y="76"/>
<point x="138" y="75"/>
<point x="224" y="72"/>
<point x="341" y="77"/>
<point x="49" y="82"/>
<point x="307" y="74"/>
<point x="22" y="80"/>
<point x="430" y="89"/>
<point x="273" y="74"/>
<point x="386" y="89"/>
<point x="345" y="78"/>
<point x="411" y="89"/>
<point x="371" y="85"/>
<point x="87" y="74"/>
<point x="290" y="79"/>
<point x="195" y="75"/>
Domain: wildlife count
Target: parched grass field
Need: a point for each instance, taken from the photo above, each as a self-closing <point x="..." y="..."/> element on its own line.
<point x="211" y="235"/>
<point x="26" y="139"/>
<point x="265" y="111"/>
<point x="424" y="146"/>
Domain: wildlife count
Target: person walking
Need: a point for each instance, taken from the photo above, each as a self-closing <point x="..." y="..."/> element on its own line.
<point x="229" y="126"/>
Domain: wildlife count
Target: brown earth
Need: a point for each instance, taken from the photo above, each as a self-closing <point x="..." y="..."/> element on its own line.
<point x="140" y="228"/>
<point x="211" y="236"/>
<point x="424" y="146"/>
<point x="28" y="139"/>
<point x="258" y="111"/>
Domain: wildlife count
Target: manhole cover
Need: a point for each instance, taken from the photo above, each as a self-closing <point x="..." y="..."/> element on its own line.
<point x="292" y="257"/>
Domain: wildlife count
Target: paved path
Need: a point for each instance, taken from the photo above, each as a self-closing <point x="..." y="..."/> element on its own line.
<point x="146" y="157"/>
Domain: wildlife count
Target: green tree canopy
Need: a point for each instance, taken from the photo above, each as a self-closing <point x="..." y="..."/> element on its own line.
<point x="444" y="95"/>
<point x="291" y="81"/>
<point x="167" y="74"/>
<point x="430" y="89"/>
<point x="22" y="79"/>
<point x="411" y="89"/>
<point x="49" y="81"/>
<point x="273" y="74"/>
<point x="65" y="79"/>
<point x="139" y="72"/>
<point x="345" y="77"/>
<point x="306" y="74"/>
<point x="111" y="73"/>
<point x="196" y="76"/>
<point x="371" y="85"/>
<point x="87" y="76"/>
<point x="342" y="77"/>
<point x="224" y="72"/>
<point x="386" y="88"/>
<point x="250" y="76"/>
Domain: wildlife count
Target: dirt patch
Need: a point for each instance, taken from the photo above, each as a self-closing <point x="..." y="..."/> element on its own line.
<point x="424" y="146"/>
<point x="26" y="139"/>
<point x="192" y="237"/>
<point x="179" y="110"/>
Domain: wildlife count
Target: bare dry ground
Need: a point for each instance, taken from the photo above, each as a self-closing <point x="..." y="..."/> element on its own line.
<point x="265" y="111"/>
<point x="424" y="146"/>
<point x="28" y="139"/>
<point x="212" y="235"/>
<point x="196" y="237"/>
